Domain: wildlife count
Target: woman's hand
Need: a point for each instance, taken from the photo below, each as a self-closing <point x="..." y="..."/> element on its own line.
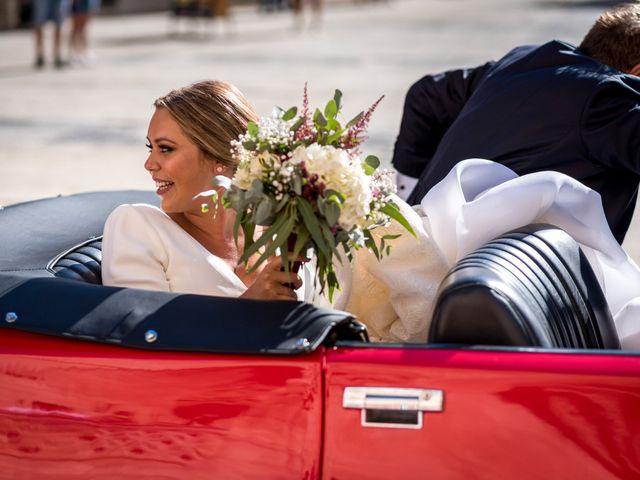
<point x="271" y="283"/>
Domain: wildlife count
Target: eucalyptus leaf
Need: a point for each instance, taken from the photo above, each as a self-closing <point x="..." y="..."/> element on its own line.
<point x="205" y="194"/>
<point x="253" y="129"/>
<point x="370" y="164"/>
<point x="337" y="97"/>
<point x="319" y="119"/>
<point x="332" y="212"/>
<point x="265" y="211"/>
<point x="297" y="124"/>
<point x="331" y="110"/>
<point x="355" y="119"/>
<point x="221" y="181"/>
<point x="297" y="184"/>
<point x="290" y="114"/>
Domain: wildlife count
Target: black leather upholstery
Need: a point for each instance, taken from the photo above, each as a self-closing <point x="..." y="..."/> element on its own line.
<point x="83" y="262"/>
<point x="530" y="287"/>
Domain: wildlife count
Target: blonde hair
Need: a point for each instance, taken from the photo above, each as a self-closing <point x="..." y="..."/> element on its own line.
<point x="211" y="114"/>
<point x="615" y="37"/>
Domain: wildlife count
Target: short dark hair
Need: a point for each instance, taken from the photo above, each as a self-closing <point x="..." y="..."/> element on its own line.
<point x="615" y="37"/>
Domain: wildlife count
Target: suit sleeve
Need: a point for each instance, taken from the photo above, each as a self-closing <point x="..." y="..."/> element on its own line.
<point x="431" y="106"/>
<point x="610" y="127"/>
<point x="132" y="252"/>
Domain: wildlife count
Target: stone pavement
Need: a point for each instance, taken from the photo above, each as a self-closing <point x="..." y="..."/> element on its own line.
<point x="84" y="128"/>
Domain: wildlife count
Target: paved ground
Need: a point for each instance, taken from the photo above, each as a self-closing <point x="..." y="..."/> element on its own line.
<point x="84" y="128"/>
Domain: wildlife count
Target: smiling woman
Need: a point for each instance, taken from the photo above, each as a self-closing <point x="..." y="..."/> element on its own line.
<point x="180" y="247"/>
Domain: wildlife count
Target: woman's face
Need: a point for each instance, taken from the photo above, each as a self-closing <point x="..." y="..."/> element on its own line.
<point x="176" y="165"/>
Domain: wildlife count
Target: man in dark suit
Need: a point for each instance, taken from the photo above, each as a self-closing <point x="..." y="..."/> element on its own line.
<point x="550" y="107"/>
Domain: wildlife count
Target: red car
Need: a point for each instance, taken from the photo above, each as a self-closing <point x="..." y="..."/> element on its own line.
<point x="111" y="383"/>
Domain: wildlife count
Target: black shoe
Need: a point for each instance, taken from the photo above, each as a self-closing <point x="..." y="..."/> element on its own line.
<point x="59" y="63"/>
<point x="39" y="62"/>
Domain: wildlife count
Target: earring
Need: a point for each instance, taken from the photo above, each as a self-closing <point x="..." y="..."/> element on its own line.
<point x="219" y="168"/>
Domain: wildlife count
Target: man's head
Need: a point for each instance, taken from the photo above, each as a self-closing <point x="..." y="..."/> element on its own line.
<point x="615" y="38"/>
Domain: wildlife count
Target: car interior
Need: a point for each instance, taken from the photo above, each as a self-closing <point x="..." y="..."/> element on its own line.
<point x="531" y="287"/>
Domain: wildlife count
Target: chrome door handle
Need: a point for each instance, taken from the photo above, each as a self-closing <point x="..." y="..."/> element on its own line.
<point x="392" y="407"/>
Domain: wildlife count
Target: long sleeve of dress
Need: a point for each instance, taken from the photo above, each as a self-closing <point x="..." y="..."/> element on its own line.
<point x="431" y="106"/>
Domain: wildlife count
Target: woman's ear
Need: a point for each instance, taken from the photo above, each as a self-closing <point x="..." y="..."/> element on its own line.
<point x="635" y="70"/>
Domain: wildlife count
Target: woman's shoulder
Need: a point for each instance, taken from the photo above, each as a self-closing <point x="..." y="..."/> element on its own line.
<point x="137" y="212"/>
<point x="137" y="217"/>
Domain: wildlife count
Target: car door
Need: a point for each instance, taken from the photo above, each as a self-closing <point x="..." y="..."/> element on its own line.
<point x="483" y="413"/>
<point x="71" y="409"/>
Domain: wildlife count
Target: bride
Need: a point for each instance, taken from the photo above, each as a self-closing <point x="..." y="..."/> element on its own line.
<point x="179" y="247"/>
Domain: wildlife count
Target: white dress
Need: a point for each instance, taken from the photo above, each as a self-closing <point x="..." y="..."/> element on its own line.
<point x="477" y="201"/>
<point x="144" y="248"/>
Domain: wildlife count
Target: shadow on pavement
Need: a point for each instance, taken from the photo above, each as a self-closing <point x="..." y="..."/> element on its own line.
<point x="580" y="3"/>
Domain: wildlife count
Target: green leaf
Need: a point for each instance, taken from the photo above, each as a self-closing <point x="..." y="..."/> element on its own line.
<point x="391" y="237"/>
<point x="248" y="229"/>
<point x="282" y="203"/>
<point x="281" y="236"/>
<point x="264" y="238"/>
<point x="253" y="129"/>
<point x="236" y="227"/>
<point x="264" y="211"/>
<point x="337" y="97"/>
<point x="332" y="281"/>
<point x="332" y="212"/>
<point x="313" y="225"/>
<point x="370" y="164"/>
<point x="297" y="184"/>
<point x="319" y="119"/>
<point x="355" y="119"/>
<point x="250" y="144"/>
<point x="334" y="196"/>
<point x="391" y="210"/>
<point x="302" y="238"/>
<point x="298" y="124"/>
<point x="290" y="114"/>
<point x="370" y="243"/>
<point x="331" y="110"/>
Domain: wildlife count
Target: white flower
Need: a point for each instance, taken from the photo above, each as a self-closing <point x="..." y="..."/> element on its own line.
<point x="342" y="173"/>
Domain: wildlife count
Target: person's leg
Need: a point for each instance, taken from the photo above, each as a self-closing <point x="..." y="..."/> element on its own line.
<point x="38" y="18"/>
<point x="59" y="10"/>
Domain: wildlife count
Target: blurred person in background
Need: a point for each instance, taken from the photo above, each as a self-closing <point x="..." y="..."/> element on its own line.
<point x="574" y="110"/>
<point x="81" y="13"/>
<point x="299" y="6"/>
<point x="43" y="11"/>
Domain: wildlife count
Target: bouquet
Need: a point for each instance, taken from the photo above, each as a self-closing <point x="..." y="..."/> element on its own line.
<point x="301" y="177"/>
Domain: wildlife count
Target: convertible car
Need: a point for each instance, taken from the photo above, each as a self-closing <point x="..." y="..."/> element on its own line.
<point x="522" y="376"/>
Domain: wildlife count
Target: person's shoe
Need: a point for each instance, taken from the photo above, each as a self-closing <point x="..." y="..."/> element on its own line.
<point x="59" y="63"/>
<point x="39" y="62"/>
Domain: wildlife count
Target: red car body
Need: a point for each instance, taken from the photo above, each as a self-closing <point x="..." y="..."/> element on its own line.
<point x="70" y="409"/>
<point x="76" y="409"/>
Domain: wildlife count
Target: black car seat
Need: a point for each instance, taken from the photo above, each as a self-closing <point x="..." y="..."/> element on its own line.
<point x="82" y="262"/>
<point x="531" y="287"/>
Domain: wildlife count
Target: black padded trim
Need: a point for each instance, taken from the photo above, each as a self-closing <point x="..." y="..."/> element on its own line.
<point x="183" y="322"/>
<point x="81" y="262"/>
<point x="530" y="287"/>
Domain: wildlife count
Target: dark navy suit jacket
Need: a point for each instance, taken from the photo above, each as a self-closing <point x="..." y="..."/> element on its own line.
<point x="538" y="108"/>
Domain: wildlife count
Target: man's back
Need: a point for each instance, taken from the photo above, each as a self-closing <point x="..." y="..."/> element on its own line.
<point x="538" y="108"/>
